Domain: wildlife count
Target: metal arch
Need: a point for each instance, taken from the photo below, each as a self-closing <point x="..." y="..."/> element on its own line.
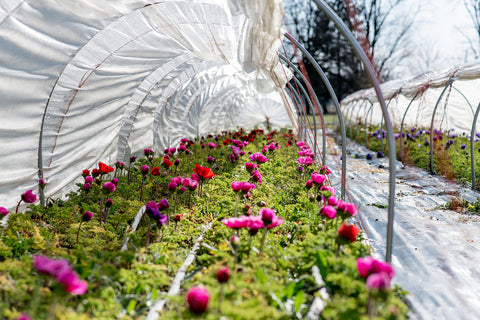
<point x="472" y="135"/>
<point x="324" y="139"/>
<point x="333" y="95"/>
<point x="299" y="101"/>
<point x="449" y="83"/>
<point x="391" y="143"/>
<point x="465" y="98"/>
<point x="402" y="122"/>
<point x="309" y="101"/>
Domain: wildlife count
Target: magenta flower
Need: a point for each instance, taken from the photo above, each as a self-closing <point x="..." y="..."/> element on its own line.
<point x="71" y="283"/>
<point x="151" y="209"/>
<point x="378" y="281"/>
<point x="325" y="170"/>
<point x="332" y="201"/>
<point x="87" y="186"/>
<point x="48" y="266"/>
<point x="236" y="186"/>
<point x="328" y="211"/>
<point x="29" y="197"/>
<point x="197" y="299"/>
<point x="193" y="185"/>
<point x="237" y="223"/>
<point x="258" y="157"/>
<point x="87" y="216"/>
<point x="4" y="211"/>
<point x="172" y="186"/>
<point x="309" y="184"/>
<point x="89" y="179"/>
<point x="108" y="203"/>
<point x="347" y="208"/>
<point x="256" y="224"/>
<point x="211" y="159"/>
<point x="212" y="145"/>
<point x="177" y="180"/>
<point x="182" y="148"/>
<point x="109" y="187"/>
<point x="223" y="274"/>
<point x="257" y="176"/>
<point x="24" y="316"/>
<point x="267" y="215"/>
<point x="42" y="183"/>
<point x="300" y="143"/>
<point x="145" y="169"/>
<point x="318" y="178"/>
<point x="163" y="204"/>
<point x="368" y="265"/>
<point x="328" y="188"/>
<point x="182" y="190"/>
<point x="250" y="166"/>
<point x="305" y="161"/>
<point x="115" y="181"/>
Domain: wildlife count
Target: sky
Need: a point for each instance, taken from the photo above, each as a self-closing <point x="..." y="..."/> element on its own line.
<point x="438" y="35"/>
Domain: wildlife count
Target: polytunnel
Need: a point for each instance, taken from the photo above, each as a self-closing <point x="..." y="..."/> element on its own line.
<point x="94" y="81"/>
<point x="99" y="81"/>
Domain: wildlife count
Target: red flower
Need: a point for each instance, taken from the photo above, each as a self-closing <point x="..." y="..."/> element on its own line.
<point x="204" y="172"/>
<point x="178" y="217"/>
<point x="95" y="172"/>
<point x="167" y="163"/>
<point x="85" y="173"/>
<point x="104" y="168"/>
<point x="156" y="171"/>
<point x="348" y="232"/>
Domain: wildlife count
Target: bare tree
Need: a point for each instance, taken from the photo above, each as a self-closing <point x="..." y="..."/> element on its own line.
<point x="473" y="8"/>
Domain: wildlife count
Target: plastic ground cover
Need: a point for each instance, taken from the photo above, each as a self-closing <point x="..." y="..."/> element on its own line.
<point x="435" y="251"/>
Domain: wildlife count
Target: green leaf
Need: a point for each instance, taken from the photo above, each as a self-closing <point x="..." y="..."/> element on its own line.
<point x="322" y="264"/>
<point x="299" y="298"/>
<point x="131" y="305"/>
<point x="289" y="290"/>
<point x="261" y="276"/>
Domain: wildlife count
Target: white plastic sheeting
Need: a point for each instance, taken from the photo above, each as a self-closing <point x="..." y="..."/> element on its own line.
<point x="97" y="80"/>
<point x="455" y="110"/>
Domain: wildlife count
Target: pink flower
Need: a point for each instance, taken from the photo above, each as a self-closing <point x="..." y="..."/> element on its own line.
<point x="257" y="176"/>
<point x="236" y="186"/>
<point x="328" y="211"/>
<point x="328" y="188"/>
<point x="256" y="224"/>
<point x="172" y="186"/>
<point x="145" y="169"/>
<point x="223" y="274"/>
<point x="325" y="170"/>
<point x="212" y="145"/>
<point x="250" y="166"/>
<point x="71" y="283"/>
<point x="247" y="187"/>
<point x="89" y="179"/>
<point x="267" y="215"/>
<point x="87" y="186"/>
<point x="193" y="185"/>
<point x="300" y="143"/>
<point x="109" y="187"/>
<point x="258" y="157"/>
<point x="52" y="267"/>
<point x="197" y="299"/>
<point x="177" y="180"/>
<point x="29" y="197"/>
<point x="378" y="281"/>
<point x="332" y="201"/>
<point x="237" y="223"/>
<point x="24" y="316"/>
<point x="318" y="178"/>
<point x="347" y="207"/>
<point x="4" y="211"/>
<point x="368" y="265"/>
<point x="305" y="161"/>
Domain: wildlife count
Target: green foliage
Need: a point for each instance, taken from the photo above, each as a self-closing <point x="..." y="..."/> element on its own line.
<point x="124" y="284"/>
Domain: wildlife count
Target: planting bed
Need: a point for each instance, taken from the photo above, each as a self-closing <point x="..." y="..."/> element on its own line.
<point x="285" y="249"/>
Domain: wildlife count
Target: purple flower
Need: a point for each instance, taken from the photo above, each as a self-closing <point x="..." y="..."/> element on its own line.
<point x="151" y="209"/>
<point x="163" y="204"/>
<point x="87" y="186"/>
<point x="87" y="216"/>
<point x="108" y="187"/>
<point x="172" y="186"/>
<point x="29" y="197"/>
<point x="162" y="219"/>
<point x="463" y="146"/>
<point x="197" y="299"/>
<point x="369" y="156"/>
<point x="145" y="169"/>
<point x="210" y="159"/>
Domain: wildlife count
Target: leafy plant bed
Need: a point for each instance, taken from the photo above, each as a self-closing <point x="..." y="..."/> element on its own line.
<point x="277" y="239"/>
<point x="451" y="151"/>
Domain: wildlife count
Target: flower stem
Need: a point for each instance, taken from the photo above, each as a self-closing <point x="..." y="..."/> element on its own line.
<point x="78" y="231"/>
<point x="236" y="205"/>
<point x="221" y="297"/>
<point x="141" y="189"/>
<point x="265" y="230"/>
<point x="18" y="205"/>
<point x="147" y="237"/>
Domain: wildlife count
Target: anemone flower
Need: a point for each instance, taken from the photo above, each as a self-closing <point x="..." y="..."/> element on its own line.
<point x="270" y="220"/>
<point x="27" y="197"/>
<point x="86" y="216"/>
<point x="197" y="299"/>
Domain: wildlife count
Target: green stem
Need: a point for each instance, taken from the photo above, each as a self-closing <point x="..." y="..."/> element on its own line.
<point x="265" y="230"/>
<point x="236" y="205"/>
<point x="78" y="231"/>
